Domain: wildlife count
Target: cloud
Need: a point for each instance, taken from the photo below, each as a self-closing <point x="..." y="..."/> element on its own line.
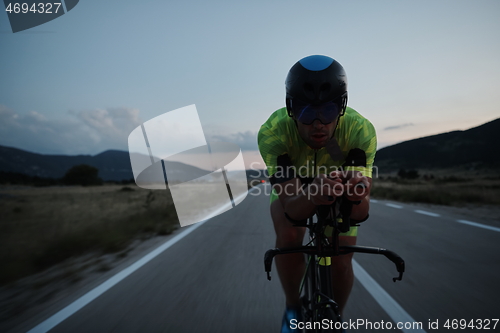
<point x="109" y="127"/>
<point x="86" y="131"/>
<point x="398" y="126"/>
<point x="246" y="140"/>
<point x="82" y="132"/>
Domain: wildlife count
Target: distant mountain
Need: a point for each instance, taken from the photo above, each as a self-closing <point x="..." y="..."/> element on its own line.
<point x="113" y="165"/>
<point x="477" y="147"/>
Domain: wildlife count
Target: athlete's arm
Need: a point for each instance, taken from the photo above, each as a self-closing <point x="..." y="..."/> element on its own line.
<point x="356" y="193"/>
<point x="300" y="202"/>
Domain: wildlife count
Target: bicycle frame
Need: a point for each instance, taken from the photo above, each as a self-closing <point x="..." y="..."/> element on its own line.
<point x="316" y="287"/>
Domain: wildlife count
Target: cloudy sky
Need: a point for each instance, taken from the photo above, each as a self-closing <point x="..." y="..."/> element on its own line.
<point x="81" y="83"/>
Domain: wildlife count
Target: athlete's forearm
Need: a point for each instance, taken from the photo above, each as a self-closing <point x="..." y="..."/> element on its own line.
<point x="300" y="203"/>
<point x="299" y="207"/>
<point x="359" y="212"/>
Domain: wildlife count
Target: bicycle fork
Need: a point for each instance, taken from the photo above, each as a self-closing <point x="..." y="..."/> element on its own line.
<point x="324" y="295"/>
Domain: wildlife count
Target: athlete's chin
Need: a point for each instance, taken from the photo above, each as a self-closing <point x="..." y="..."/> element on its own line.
<point x="317" y="144"/>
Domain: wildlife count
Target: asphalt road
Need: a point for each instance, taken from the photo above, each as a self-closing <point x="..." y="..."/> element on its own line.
<point x="213" y="279"/>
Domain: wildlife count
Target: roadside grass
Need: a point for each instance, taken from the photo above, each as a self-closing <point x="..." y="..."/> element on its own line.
<point x="41" y="227"/>
<point x="450" y="191"/>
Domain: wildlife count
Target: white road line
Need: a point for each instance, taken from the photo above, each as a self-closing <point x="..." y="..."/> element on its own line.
<point x="390" y="306"/>
<point x="474" y="224"/>
<point x="69" y="310"/>
<point x="374" y="200"/>
<point x="426" y="213"/>
<point x="479" y="225"/>
<point x="394" y="205"/>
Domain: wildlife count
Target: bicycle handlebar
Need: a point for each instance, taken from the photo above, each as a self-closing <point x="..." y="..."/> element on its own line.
<point x="392" y="256"/>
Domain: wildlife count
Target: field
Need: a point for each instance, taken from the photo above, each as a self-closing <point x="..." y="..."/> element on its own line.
<point x="440" y="190"/>
<point x="44" y="226"/>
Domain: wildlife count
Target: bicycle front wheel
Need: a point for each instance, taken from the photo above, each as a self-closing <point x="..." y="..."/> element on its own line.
<point x="308" y="288"/>
<point x="329" y="321"/>
<point x="320" y="312"/>
<point x="327" y="310"/>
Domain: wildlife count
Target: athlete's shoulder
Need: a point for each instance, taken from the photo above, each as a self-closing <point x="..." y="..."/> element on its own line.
<point x="277" y="124"/>
<point x="354" y="115"/>
<point x="353" y="119"/>
<point x="277" y="118"/>
<point x="278" y="133"/>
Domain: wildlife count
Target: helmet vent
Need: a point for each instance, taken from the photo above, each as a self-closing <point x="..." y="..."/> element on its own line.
<point x="309" y="91"/>
<point x="324" y="90"/>
<point x="308" y="87"/>
<point x="325" y="87"/>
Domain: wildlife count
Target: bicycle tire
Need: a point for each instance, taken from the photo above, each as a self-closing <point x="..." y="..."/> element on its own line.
<point x="328" y="311"/>
<point x="331" y="319"/>
<point x="313" y="311"/>
<point x="307" y="287"/>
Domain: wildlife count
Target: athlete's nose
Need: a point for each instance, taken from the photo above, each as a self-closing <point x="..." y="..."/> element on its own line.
<point x="317" y="124"/>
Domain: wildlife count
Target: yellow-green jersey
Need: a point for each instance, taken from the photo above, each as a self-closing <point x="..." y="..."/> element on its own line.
<point x="287" y="156"/>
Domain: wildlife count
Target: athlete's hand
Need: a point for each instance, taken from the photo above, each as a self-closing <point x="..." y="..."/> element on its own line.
<point x="356" y="185"/>
<point x="323" y="190"/>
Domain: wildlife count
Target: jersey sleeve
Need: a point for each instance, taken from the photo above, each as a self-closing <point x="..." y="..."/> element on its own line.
<point x="365" y="138"/>
<point x="271" y="144"/>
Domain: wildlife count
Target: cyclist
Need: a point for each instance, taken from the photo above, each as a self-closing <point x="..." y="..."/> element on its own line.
<point x="316" y="149"/>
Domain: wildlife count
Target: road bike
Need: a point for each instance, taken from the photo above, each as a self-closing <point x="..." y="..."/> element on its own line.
<point x="320" y="311"/>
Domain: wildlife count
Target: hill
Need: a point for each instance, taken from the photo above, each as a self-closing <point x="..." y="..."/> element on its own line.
<point x="475" y="148"/>
<point x="113" y="165"/>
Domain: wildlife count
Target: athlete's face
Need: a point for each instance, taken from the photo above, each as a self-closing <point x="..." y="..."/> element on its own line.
<point x="317" y="134"/>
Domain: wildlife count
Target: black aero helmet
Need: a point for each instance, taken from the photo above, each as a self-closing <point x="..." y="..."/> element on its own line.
<point x="315" y="84"/>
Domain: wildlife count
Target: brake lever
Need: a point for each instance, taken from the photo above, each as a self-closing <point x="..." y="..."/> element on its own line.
<point x="399" y="278"/>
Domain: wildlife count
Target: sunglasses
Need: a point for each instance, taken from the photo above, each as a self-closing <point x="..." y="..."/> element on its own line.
<point x="325" y="113"/>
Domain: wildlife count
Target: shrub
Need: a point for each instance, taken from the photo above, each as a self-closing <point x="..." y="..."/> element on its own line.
<point x="410" y="174"/>
<point x="82" y="174"/>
